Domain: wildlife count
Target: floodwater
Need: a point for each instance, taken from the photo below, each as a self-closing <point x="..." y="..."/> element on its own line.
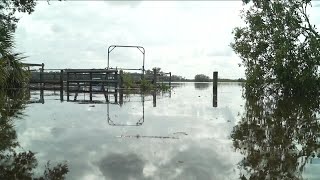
<point x="173" y="135"/>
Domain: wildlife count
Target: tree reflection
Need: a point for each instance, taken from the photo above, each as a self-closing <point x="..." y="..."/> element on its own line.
<point x="278" y="134"/>
<point x="201" y="86"/>
<point x="15" y="163"/>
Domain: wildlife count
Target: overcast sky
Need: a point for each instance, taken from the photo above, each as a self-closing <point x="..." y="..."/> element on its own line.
<point x="183" y="37"/>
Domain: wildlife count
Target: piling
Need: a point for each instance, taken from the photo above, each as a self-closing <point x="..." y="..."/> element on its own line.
<point x="154" y="98"/>
<point x="215" y="89"/>
<point x="121" y="97"/>
<point x="90" y="88"/>
<point x="61" y="85"/>
<point x="121" y="79"/>
<point x="68" y="93"/>
<point x="41" y="96"/>
<point x="154" y="77"/>
<point x="41" y="75"/>
<point x="170" y="79"/>
<point x="116" y="85"/>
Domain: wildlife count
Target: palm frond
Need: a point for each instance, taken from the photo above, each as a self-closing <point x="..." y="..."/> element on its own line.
<point x="6" y="40"/>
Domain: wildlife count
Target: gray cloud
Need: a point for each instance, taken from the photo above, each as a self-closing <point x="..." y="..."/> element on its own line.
<point x="122" y="167"/>
<point x="176" y="37"/>
<point x="85" y="139"/>
<point x="316" y="4"/>
<point x="196" y="163"/>
<point x="225" y="52"/>
<point x="124" y="3"/>
<point x="179" y="37"/>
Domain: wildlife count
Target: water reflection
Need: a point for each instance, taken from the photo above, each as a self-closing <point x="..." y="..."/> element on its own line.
<point x="278" y="134"/>
<point x="201" y="86"/>
<point x="16" y="163"/>
<point x="113" y="166"/>
<point x="138" y="123"/>
<point x="36" y="100"/>
<point x="182" y="137"/>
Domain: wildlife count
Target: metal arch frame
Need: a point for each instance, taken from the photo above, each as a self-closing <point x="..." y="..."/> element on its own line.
<point x="141" y="49"/>
<point x="138" y="123"/>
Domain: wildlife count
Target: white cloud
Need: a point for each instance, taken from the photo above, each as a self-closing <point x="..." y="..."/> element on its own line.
<point x="185" y="38"/>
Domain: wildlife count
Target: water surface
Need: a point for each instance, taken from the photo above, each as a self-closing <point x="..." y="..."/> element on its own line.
<point x="176" y="135"/>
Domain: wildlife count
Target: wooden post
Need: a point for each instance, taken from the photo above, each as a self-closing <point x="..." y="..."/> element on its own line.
<point x="154" y="98"/>
<point x="121" y="79"/>
<point x="78" y="86"/>
<point x="61" y="85"/>
<point x="170" y="79"/>
<point x="90" y="88"/>
<point x="121" y="97"/>
<point x="41" y="75"/>
<point x="215" y="89"/>
<point x="68" y="93"/>
<point x="154" y="77"/>
<point x="41" y="96"/>
<point x="103" y="87"/>
<point x="116" y="77"/>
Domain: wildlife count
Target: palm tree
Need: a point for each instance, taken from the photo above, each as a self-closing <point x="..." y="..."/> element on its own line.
<point x="12" y="73"/>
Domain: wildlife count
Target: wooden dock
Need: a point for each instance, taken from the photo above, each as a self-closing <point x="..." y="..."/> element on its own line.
<point x="75" y="81"/>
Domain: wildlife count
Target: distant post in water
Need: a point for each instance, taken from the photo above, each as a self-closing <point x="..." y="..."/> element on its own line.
<point x="68" y="83"/>
<point x="154" y="77"/>
<point x="41" y="96"/>
<point x="121" y="97"/>
<point x="116" y="86"/>
<point x="154" y="98"/>
<point x="61" y="85"/>
<point x="170" y="79"/>
<point x="41" y="75"/>
<point x="90" y="86"/>
<point x="121" y="79"/>
<point x="215" y="89"/>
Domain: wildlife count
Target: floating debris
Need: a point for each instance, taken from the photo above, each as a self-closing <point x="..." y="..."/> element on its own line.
<point x="184" y="133"/>
<point x="92" y="106"/>
<point x="139" y="136"/>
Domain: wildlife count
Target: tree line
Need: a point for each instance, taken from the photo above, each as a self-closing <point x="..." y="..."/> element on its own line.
<point x="55" y="75"/>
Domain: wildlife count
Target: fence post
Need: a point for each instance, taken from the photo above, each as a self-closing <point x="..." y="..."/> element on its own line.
<point x="154" y="77"/>
<point x="41" y="96"/>
<point x="41" y="75"/>
<point x="68" y="93"/>
<point x="154" y="98"/>
<point x="61" y="85"/>
<point x="170" y="79"/>
<point x="121" y="97"/>
<point x="90" y="88"/>
<point x="121" y="79"/>
<point x="215" y="89"/>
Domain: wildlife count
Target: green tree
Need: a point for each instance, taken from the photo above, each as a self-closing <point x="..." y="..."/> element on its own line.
<point x="12" y="73"/>
<point x="158" y="70"/>
<point x="279" y="47"/>
<point x="9" y="8"/>
<point x="201" y="78"/>
<point x="278" y="135"/>
<point x="11" y="70"/>
<point x="15" y="163"/>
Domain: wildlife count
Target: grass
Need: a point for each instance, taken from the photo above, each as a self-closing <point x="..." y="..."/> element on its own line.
<point x="144" y="84"/>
